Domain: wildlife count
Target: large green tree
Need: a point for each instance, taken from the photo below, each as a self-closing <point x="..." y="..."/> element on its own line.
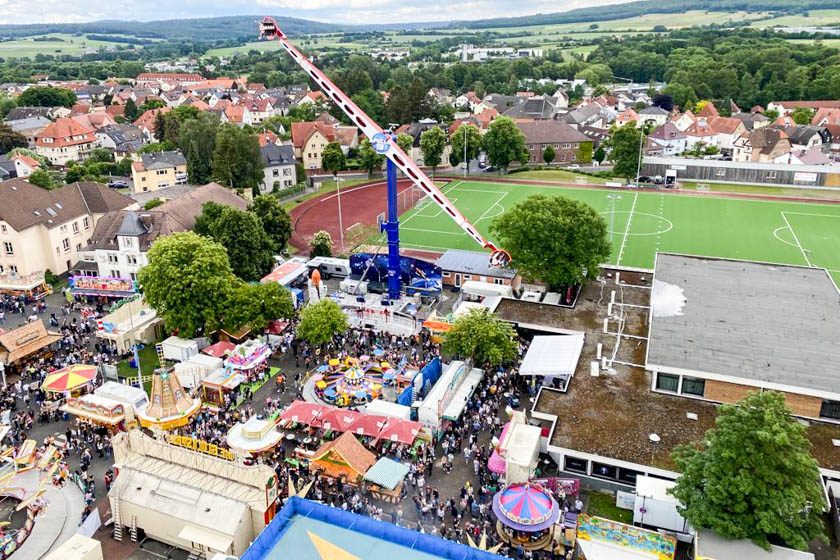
<point x="554" y="239"/>
<point x="250" y="249"/>
<point x="197" y="141"/>
<point x="466" y="134"/>
<point x="432" y="145"/>
<point x="505" y="143"/>
<point x="236" y="158"/>
<point x="333" y="159"/>
<point x="753" y="477"/>
<point x="320" y="245"/>
<point x="625" y="143"/>
<point x="9" y="139"/>
<point x="256" y="305"/>
<point x="46" y="96"/>
<point x="371" y="103"/>
<point x="369" y="159"/>
<point x="482" y="337"/>
<point x="132" y="112"/>
<point x="548" y="154"/>
<point x="802" y="115"/>
<point x="275" y="220"/>
<point x="187" y="281"/>
<point x="320" y="321"/>
<point x="405" y="141"/>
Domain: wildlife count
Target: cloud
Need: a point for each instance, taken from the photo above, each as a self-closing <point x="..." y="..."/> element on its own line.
<point x="329" y="11"/>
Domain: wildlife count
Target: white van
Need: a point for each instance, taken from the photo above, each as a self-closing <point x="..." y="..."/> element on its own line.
<point x="473" y="290"/>
<point x="330" y="266"/>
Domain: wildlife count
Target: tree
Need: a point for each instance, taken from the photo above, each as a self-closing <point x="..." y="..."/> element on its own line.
<point x="131" y="111"/>
<point x="753" y="477"/>
<point x="321" y="321"/>
<point x="42" y="178"/>
<point x="432" y="145"/>
<point x="405" y="142"/>
<point x="505" y="143"/>
<point x="197" y="141"/>
<point x="236" y="158"/>
<point x="625" y="144"/>
<point x="482" y="337"/>
<point x="548" y="155"/>
<point x="584" y="153"/>
<point x="333" y="159"/>
<point x="554" y="239"/>
<point x="250" y="249"/>
<point x="256" y="305"/>
<point x="472" y="136"/>
<point x="369" y="159"/>
<point x="320" y="245"/>
<point x="663" y="101"/>
<point x="204" y="222"/>
<point x="47" y="96"/>
<point x="600" y="155"/>
<point x="9" y="139"/>
<point x="187" y="281"/>
<point x="802" y="115"/>
<point x="371" y="102"/>
<point x="275" y="220"/>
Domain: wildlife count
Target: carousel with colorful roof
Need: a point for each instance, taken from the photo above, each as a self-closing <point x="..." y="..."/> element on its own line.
<point x="353" y="381"/>
<point x="527" y="514"/>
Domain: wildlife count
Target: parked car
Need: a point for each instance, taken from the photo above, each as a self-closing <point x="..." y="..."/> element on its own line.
<point x="117" y="184"/>
<point x="489" y="169"/>
<point x="574" y="166"/>
<point x="645" y="179"/>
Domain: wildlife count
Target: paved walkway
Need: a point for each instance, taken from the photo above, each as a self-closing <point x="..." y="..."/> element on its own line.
<point x="57" y="523"/>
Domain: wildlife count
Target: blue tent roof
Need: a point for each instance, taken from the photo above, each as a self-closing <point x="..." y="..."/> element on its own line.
<point x="296" y="523"/>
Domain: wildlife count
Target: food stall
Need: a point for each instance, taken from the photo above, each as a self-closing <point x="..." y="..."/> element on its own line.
<point x="32" y="286"/>
<point x="250" y="359"/>
<point x="215" y="386"/>
<point x="385" y="479"/>
<point x="254" y="436"/>
<point x="97" y="410"/>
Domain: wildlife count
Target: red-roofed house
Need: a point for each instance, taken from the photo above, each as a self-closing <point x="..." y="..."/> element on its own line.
<point x="786" y="107"/>
<point x="259" y="109"/>
<point x="25" y="165"/>
<point x="64" y="141"/>
<point x="94" y="121"/>
<point x="825" y="116"/>
<point x="267" y="138"/>
<point x="168" y="78"/>
<point x="236" y="114"/>
<point x="708" y="110"/>
<point x="146" y="123"/>
<point x="626" y="116"/>
<point x="685" y="120"/>
<point x="309" y="140"/>
<point x="728" y="130"/>
<point x="312" y="97"/>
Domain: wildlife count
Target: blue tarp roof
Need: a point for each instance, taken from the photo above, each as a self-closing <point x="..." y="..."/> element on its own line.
<point x="301" y="524"/>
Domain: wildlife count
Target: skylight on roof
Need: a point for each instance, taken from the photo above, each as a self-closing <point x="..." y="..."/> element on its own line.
<point x="50" y="211"/>
<point x="36" y="212"/>
<point x="59" y="206"/>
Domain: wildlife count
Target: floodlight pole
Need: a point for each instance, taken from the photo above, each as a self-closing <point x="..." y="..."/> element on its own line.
<point x="340" y="223"/>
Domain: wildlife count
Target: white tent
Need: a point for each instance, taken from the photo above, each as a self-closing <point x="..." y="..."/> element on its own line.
<point x="553" y="355"/>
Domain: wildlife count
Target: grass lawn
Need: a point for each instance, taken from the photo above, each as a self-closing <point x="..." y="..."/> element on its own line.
<point x="603" y="505"/>
<point x="815" y="18"/>
<point x="148" y="363"/>
<point x="641" y="223"/>
<point x="64" y="44"/>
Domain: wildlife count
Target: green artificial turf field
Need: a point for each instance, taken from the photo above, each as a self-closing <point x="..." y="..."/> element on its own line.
<point x="644" y="222"/>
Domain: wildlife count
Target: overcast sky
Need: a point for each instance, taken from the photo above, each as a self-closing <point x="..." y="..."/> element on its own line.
<point x="334" y="11"/>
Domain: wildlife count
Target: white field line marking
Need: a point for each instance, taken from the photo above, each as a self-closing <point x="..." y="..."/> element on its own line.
<point x="627" y="229"/>
<point x="416" y="212"/>
<point x="491" y="207"/>
<point x="796" y="239"/>
<point x="813" y="215"/>
<point x="424" y="230"/>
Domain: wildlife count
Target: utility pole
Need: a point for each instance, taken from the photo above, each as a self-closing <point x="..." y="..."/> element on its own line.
<point x="340" y="223"/>
<point x="466" y="161"/>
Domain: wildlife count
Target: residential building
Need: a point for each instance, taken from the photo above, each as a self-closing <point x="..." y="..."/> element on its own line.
<point x="45" y="230"/>
<point x="7" y="168"/>
<point x="591" y="114"/>
<point x="727" y="131"/>
<point x="825" y="116"/>
<point x="29" y="127"/>
<point x="259" y="110"/>
<point x="122" y="139"/>
<point x="805" y="137"/>
<point x="628" y="115"/>
<point x="64" y="141"/>
<point x="25" y="165"/>
<point x="502" y="102"/>
<point x="94" y="121"/>
<point x="653" y="115"/>
<point x="20" y="113"/>
<point x="279" y="167"/>
<point x="786" y="107"/>
<point x="415" y="130"/>
<point x="146" y="123"/>
<point x="667" y="140"/>
<point x="158" y="170"/>
<point x="166" y="81"/>
<point x="309" y="140"/>
<point x="708" y="110"/>
<point x="441" y="96"/>
<point x="751" y="120"/>
<point x="565" y="140"/>
<point x="534" y="108"/>
<point x="812" y="156"/>
<point x="762" y="145"/>
<point x="685" y="120"/>
<point x="120" y="242"/>
<point x="459" y="266"/>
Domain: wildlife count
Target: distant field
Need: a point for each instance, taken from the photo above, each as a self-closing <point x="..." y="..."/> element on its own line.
<point x="311" y="42"/>
<point x="825" y="42"/>
<point x="71" y="45"/>
<point x="815" y="18"/>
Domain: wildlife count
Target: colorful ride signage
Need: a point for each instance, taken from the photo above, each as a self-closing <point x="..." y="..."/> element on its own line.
<point x="201" y="446"/>
<point x="102" y="285"/>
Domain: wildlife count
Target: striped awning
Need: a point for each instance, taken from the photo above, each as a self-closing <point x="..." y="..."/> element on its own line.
<point x="387" y="473"/>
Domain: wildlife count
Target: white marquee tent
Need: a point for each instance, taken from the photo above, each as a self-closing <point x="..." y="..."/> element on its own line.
<point x="555" y="355"/>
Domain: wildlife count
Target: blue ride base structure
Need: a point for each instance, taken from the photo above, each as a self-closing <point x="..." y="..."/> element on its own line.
<point x="289" y="536"/>
<point x="416" y="275"/>
<point x="392" y="229"/>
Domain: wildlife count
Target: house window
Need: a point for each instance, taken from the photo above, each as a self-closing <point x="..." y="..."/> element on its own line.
<point x="601" y="470"/>
<point x="498" y="281"/>
<point x="78" y="246"/>
<point x="667" y="382"/>
<point x="5" y="229"/>
<point x="830" y="409"/>
<point x="65" y="244"/>
<point x="720" y="172"/>
<point x="13" y="269"/>
<point x="275" y="172"/>
<point x="2" y="269"/>
<point x="112" y="258"/>
<point x="7" y="246"/>
<point x="446" y="275"/>
<point x="566" y="146"/>
<point x="131" y="259"/>
<point x="467" y="277"/>
<point x="75" y="227"/>
<point x="115" y="273"/>
<point x="693" y="386"/>
<point x="161" y="171"/>
<point x="86" y="223"/>
<point x="771" y="175"/>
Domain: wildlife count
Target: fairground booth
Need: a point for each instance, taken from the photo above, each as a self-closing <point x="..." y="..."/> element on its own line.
<point x="317" y="532"/>
<point x="65" y="383"/>
<point x="102" y="288"/>
<point x="30" y="287"/>
<point x="603" y="539"/>
<point x="250" y="359"/>
<point x="527" y="515"/>
<point x="169" y="405"/>
<point x="516" y="455"/>
<point x="112" y="405"/>
<point x="26" y="343"/>
<point x="254" y="436"/>
<point x="131" y="323"/>
<point x="220" y="384"/>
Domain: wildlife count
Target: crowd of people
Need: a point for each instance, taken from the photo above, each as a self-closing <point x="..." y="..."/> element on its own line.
<point x="462" y="446"/>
